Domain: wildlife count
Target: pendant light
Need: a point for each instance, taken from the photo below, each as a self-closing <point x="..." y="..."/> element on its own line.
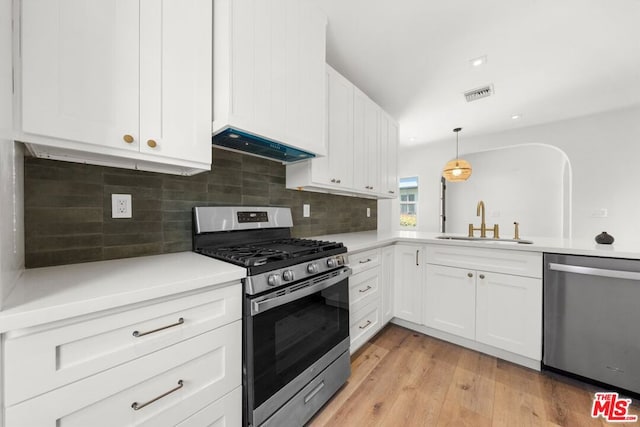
<point x="457" y="170"/>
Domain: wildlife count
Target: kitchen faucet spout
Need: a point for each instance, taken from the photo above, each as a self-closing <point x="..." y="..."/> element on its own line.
<point x="480" y="212"/>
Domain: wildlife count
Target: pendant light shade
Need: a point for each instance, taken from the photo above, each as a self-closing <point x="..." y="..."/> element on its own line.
<point x="458" y="169"/>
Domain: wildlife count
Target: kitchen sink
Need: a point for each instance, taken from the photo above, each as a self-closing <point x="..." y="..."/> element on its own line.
<point x="485" y="239"/>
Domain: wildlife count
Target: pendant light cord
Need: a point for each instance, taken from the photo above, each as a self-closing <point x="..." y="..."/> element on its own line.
<point x="457" y="131"/>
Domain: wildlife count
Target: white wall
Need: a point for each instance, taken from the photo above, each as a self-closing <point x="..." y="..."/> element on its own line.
<point x="531" y="174"/>
<point x="604" y="151"/>
<point x="11" y="169"/>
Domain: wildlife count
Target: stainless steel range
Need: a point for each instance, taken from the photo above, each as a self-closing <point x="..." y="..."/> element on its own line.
<point x="295" y="314"/>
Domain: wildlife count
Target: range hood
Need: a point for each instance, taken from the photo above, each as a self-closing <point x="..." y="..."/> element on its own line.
<point x="235" y="140"/>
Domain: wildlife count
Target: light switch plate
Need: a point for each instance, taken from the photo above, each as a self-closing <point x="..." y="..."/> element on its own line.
<point x="600" y="213"/>
<point x="306" y="210"/>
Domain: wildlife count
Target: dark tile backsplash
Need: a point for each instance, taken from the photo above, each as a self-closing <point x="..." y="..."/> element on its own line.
<point x="68" y="207"/>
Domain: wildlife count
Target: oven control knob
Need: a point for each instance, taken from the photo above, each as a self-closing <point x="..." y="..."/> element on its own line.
<point x="312" y="268"/>
<point x="273" y="280"/>
<point x="332" y="262"/>
<point x="287" y="275"/>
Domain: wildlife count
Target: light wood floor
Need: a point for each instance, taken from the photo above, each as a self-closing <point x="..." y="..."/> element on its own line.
<point x="403" y="378"/>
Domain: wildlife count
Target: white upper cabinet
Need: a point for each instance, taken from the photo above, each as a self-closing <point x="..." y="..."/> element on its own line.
<point x="362" y="145"/>
<point x="334" y="170"/>
<point x="80" y="72"/>
<point x="388" y="155"/>
<point x="119" y="83"/>
<point x="269" y="71"/>
<point x="366" y="163"/>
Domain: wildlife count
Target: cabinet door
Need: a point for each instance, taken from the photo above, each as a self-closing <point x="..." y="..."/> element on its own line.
<point x="386" y="283"/>
<point x="80" y="70"/>
<point x="509" y="313"/>
<point x="307" y="116"/>
<point x="365" y="143"/>
<point x="450" y="300"/>
<point x="270" y="70"/>
<point x="388" y="156"/>
<point x="175" y="78"/>
<point x="408" y="282"/>
<point x="336" y="169"/>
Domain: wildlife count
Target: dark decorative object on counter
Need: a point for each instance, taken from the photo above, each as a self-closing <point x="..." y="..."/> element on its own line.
<point x="604" y="238"/>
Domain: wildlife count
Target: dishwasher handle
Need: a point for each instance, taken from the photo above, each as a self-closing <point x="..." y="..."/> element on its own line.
<point x="590" y="271"/>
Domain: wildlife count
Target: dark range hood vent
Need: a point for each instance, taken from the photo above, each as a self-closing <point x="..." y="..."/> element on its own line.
<point x="236" y="140"/>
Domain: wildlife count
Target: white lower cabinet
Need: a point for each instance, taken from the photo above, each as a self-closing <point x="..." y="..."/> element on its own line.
<point x="370" y="290"/>
<point x="408" y="283"/>
<point x="224" y="412"/>
<point x="509" y="313"/>
<point x="386" y="282"/>
<point x="486" y="305"/>
<point x="364" y="324"/>
<point x="450" y="300"/>
<point x="135" y="370"/>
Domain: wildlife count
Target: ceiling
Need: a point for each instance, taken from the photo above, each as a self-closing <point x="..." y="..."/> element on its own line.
<point x="548" y="60"/>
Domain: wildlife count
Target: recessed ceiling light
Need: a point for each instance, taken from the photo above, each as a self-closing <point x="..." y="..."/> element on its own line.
<point x="516" y="116"/>
<point x="476" y="62"/>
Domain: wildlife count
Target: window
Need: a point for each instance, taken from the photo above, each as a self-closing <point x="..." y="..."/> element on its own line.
<point x="408" y="201"/>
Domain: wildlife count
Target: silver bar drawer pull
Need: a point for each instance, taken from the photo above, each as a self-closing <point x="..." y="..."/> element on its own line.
<point x="137" y="406"/>
<point x="365" y="289"/>
<point x="138" y="334"/>
<point x="313" y="392"/>
<point x="364" y="261"/>
<point x="365" y="325"/>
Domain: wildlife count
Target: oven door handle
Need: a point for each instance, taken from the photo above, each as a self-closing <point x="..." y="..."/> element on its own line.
<point x="267" y="303"/>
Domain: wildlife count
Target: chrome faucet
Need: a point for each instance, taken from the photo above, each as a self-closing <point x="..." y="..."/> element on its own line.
<point x="480" y="211"/>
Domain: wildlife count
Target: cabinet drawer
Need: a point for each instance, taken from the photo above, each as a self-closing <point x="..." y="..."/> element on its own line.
<point x="225" y="412"/>
<point x="520" y="263"/>
<point x="364" y="288"/>
<point x="64" y="354"/>
<point x="361" y="261"/>
<point x="208" y="366"/>
<point x="364" y="324"/>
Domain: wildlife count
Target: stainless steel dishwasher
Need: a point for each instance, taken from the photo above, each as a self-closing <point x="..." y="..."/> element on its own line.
<point x="592" y="318"/>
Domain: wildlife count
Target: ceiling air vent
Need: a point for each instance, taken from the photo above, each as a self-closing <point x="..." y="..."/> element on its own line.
<point x="481" y="92"/>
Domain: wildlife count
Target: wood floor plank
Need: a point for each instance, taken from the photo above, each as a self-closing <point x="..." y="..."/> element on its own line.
<point x="473" y="384"/>
<point x="363" y="362"/>
<point x="423" y="393"/>
<point x="403" y="378"/>
<point x="455" y="415"/>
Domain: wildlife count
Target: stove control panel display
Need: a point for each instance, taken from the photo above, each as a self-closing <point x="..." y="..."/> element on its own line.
<point x="253" y="217"/>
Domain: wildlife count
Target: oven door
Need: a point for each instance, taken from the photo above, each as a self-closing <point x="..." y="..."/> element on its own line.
<point x="291" y="335"/>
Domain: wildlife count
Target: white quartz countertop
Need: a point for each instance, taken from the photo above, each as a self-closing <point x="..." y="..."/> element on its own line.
<point x="48" y="294"/>
<point x="621" y="248"/>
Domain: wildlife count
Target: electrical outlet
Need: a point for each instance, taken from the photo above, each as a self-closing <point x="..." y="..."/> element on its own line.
<point x="306" y="210"/>
<point x="368" y="212"/>
<point x="121" y="206"/>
